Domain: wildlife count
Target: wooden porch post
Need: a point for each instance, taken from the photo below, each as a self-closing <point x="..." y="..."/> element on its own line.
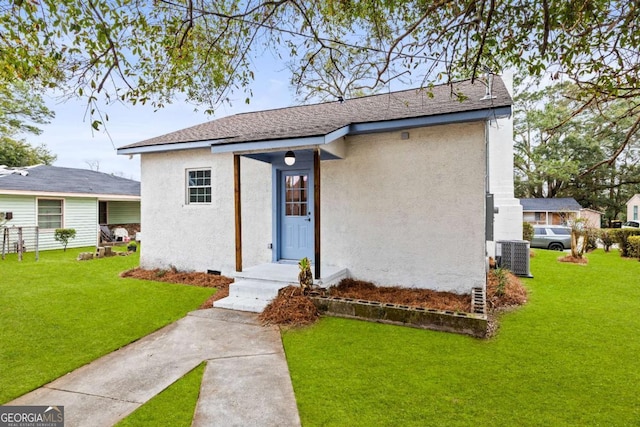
<point x="238" y="210"/>
<point x="316" y="209"/>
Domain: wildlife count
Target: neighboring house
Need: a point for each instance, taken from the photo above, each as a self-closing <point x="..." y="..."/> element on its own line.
<point x="592" y="217"/>
<point x="557" y="211"/>
<point x="51" y="197"/>
<point x="391" y="187"/>
<point x="632" y="208"/>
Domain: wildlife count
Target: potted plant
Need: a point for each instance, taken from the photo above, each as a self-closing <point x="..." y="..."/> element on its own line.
<point x="132" y="247"/>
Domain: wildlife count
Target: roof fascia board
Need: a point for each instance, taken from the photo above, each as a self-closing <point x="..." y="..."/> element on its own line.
<point x="269" y="145"/>
<point x="106" y="197"/>
<point x="551" y="210"/>
<point x="279" y="144"/>
<point x="167" y="147"/>
<point x="441" y="119"/>
<point x="219" y="146"/>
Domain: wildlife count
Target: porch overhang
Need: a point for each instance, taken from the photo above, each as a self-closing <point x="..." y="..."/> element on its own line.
<point x="331" y="145"/>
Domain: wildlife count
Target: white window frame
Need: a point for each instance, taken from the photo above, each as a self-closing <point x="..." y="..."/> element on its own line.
<point x="38" y="214"/>
<point x="189" y="187"/>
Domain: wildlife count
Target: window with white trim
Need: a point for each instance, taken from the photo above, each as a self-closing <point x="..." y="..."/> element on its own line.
<point x="635" y="212"/>
<point x="50" y="213"/>
<point x="198" y="186"/>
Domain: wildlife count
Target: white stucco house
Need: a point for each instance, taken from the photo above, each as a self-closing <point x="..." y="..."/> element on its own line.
<point x="391" y="188"/>
<point x="50" y="197"/>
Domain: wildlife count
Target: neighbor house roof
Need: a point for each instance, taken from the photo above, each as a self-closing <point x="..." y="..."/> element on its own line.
<point x="340" y="118"/>
<point x="54" y="179"/>
<point x="635" y="196"/>
<point x="550" y="204"/>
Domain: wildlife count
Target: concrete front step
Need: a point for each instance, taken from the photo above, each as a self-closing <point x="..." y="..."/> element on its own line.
<point x="256" y="287"/>
<point x="262" y="289"/>
<point x="250" y="295"/>
<point x="288" y="274"/>
<point x="242" y="304"/>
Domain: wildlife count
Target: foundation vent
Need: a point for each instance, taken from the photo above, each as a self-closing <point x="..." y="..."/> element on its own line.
<point x="478" y="301"/>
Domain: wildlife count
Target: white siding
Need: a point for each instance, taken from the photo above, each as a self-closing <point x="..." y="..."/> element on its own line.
<point x="78" y="213"/>
<point x="23" y="209"/>
<point x="123" y="212"/>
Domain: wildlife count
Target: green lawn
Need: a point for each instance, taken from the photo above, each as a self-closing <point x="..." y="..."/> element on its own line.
<point x="570" y="357"/>
<point x="174" y="407"/>
<point x="58" y="314"/>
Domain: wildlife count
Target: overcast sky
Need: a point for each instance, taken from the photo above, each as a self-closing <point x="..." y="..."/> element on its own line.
<point x="71" y="138"/>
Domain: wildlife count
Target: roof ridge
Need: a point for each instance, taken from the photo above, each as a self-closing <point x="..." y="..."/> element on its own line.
<point x="371" y="95"/>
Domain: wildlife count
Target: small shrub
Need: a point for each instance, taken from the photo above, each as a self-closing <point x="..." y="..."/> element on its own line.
<point x="606" y="238"/>
<point x="592" y="239"/>
<point x="634" y="246"/>
<point x="621" y="237"/>
<point x="527" y="231"/>
<point x="305" y="277"/>
<point x="502" y="275"/>
<point x="63" y="235"/>
<point x="513" y="292"/>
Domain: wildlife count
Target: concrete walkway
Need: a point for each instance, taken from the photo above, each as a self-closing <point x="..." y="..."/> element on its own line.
<point x="246" y="381"/>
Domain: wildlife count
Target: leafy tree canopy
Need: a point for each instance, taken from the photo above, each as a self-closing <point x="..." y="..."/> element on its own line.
<point x="22" y="109"/>
<point x="19" y="153"/>
<point x="559" y="157"/>
<point x="138" y="51"/>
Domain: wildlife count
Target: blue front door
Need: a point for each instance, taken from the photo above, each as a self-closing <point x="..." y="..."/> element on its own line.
<point x="296" y="215"/>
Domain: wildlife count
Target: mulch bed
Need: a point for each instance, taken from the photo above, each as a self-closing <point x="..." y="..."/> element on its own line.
<point x="221" y="283"/>
<point x="574" y="260"/>
<point x="413" y="297"/>
<point x="513" y="295"/>
<point x="290" y="308"/>
<point x="293" y="309"/>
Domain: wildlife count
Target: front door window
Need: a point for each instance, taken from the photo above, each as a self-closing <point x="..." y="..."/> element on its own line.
<point x="296" y="193"/>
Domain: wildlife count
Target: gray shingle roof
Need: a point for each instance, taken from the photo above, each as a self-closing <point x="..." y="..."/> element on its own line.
<point x="321" y="119"/>
<point x="68" y="180"/>
<point x="550" y="204"/>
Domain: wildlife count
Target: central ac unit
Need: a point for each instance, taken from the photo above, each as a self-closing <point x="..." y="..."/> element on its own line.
<point x="514" y="255"/>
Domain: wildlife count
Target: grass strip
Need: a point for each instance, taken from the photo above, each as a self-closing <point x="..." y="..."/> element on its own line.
<point x="174" y="406"/>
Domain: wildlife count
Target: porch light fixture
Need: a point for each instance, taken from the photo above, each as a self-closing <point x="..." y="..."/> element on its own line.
<point x="290" y="158"/>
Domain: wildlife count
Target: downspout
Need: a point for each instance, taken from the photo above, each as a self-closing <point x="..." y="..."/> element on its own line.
<point x="488" y="162"/>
